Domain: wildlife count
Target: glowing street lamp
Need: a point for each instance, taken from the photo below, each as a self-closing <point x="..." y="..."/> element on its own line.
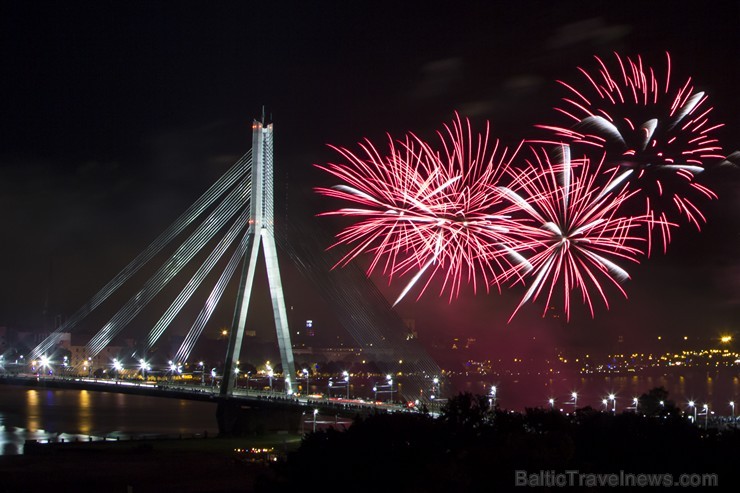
<point x="613" y="397"/>
<point x="44" y="362"/>
<point x="118" y="367"/>
<point x="635" y="402"/>
<point x="144" y="367"/>
<point x="492" y="397"/>
<point x="306" y="374"/>
<point x="732" y="406"/>
<point x="693" y="404"/>
<point x="435" y="388"/>
<point x="574" y="396"/>
<point x="706" y="416"/>
<point x="315" y="413"/>
<point x="606" y="404"/>
<point x="551" y="401"/>
<point x="345" y="374"/>
<point x="270" y="373"/>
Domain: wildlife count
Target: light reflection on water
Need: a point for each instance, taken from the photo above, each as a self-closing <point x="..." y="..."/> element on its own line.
<point x="62" y="414"/>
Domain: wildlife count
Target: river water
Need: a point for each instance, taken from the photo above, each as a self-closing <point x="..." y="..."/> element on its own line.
<point x="54" y="414"/>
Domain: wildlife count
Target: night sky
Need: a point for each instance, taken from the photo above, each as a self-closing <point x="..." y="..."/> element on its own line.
<point x="115" y="116"/>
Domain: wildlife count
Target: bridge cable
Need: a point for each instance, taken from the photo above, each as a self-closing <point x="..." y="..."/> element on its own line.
<point x="192" y="285"/>
<point x="226" y="181"/>
<point x="187" y="250"/>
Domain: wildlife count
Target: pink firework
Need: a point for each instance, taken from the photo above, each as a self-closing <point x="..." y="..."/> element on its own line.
<point x="576" y="228"/>
<point x="659" y="135"/>
<point x="419" y="209"/>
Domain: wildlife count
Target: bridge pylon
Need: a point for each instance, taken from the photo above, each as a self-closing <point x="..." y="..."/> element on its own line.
<point x="261" y="233"/>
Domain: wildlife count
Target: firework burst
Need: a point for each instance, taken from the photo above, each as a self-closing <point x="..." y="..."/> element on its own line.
<point x="575" y="228"/>
<point x="426" y="211"/>
<point x="659" y="135"/>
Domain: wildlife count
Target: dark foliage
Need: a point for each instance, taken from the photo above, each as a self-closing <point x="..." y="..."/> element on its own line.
<point x="472" y="446"/>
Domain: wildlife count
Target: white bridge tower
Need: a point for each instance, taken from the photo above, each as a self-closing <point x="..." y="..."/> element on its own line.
<point x="261" y="233"/>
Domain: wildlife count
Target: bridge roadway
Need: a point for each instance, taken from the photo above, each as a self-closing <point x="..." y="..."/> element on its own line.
<point x="246" y="410"/>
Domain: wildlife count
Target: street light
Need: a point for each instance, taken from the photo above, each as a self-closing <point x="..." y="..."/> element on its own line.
<point x="606" y="404"/>
<point x="345" y="374"/>
<point x="144" y="367"/>
<point x="574" y="395"/>
<point x="613" y="397"/>
<point x="202" y="372"/>
<point x="635" y="401"/>
<point x="306" y="374"/>
<point x="270" y="373"/>
<point x="236" y="377"/>
<point x="213" y="377"/>
<point x="492" y="398"/>
<point x="552" y="403"/>
<point x="44" y="362"/>
<point x="706" y="416"/>
<point x="693" y="404"/>
<point x="435" y="388"/>
<point x="315" y="413"/>
<point x="118" y="367"/>
<point x="732" y="405"/>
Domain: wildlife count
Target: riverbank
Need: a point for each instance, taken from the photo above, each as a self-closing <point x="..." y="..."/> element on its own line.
<point x="187" y="465"/>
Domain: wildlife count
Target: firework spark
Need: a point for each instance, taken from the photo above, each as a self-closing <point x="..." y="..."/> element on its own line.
<point x="575" y="227"/>
<point x="423" y="210"/>
<point x="660" y="135"/>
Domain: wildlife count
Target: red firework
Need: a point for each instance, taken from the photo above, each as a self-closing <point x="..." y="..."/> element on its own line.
<point x="576" y="228"/>
<point x="419" y="208"/>
<point x="660" y="135"/>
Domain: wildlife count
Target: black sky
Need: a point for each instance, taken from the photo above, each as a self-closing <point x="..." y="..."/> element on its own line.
<point x="115" y="116"/>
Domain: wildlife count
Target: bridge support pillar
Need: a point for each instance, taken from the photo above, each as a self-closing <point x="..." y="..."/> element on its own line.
<point x="237" y="418"/>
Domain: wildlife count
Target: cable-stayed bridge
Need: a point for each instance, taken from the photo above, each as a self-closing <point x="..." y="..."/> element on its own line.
<point x="217" y="241"/>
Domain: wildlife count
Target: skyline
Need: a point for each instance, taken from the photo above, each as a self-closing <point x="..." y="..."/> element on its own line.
<point x="114" y="125"/>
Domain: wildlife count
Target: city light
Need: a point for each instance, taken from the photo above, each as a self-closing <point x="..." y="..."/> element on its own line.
<point x="692" y="404"/>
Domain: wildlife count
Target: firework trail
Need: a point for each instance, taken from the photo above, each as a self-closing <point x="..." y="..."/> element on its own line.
<point x="423" y="210"/>
<point x="575" y="227"/>
<point x="659" y="135"/>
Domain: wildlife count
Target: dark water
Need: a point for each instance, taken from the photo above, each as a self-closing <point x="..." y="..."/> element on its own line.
<point x="42" y="414"/>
